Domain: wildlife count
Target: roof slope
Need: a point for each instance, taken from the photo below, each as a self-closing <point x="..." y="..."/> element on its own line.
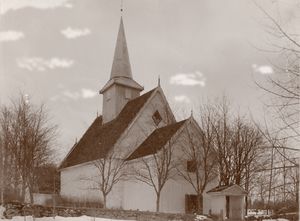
<point x="121" y="64"/>
<point x="229" y="190"/>
<point x="156" y="141"/>
<point x="100" y="138"/>
<point x="122" y="81"/>
<point x="219" y="188"/>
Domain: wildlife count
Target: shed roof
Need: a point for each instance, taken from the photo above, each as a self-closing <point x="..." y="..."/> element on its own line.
<point x="228" y="190"/>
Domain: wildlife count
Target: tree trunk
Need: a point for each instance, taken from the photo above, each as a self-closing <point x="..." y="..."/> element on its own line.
<point x="246" y="205"/>
<point x="31" y="195"/>
<point x="23" y="192"/>
<point x="199" y="203"/>
<point x="157" y="201"/>
<point x="270" y="181"/>
<point x="104" y="201"/>
<point x="2" y="174"/>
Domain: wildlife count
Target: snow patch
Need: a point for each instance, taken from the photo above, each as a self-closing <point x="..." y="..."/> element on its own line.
<point x="60" y="218"/>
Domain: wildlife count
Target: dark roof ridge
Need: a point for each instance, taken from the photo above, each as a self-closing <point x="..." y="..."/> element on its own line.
<point x="220" y="188"/>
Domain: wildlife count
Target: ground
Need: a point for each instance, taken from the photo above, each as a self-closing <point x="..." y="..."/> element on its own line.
<point x="59" y="218"/>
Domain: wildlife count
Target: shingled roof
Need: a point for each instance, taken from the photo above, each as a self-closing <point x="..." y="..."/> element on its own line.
<point x="228" y="190"/>
<point x="100" y="138"/>
<point x="156" y="141"/>
<point x="219" y="188"/>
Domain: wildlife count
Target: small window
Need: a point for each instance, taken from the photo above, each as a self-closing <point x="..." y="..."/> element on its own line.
<point x="156" y="117"/>
<point x="191" y="166"/>
<point x="127" y="93"/>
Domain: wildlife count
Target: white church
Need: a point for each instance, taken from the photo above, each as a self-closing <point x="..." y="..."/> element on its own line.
<point x="136" y="126"/>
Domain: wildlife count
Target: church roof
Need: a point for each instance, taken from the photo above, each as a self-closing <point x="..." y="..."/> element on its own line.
<point x="156" y="141"/>
<point x="100" y="138"/>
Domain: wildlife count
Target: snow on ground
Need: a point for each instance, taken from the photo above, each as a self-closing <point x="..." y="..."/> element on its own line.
<point x="2" y="209"/>
<point x="201" y="217"/>
<point x="60" y="218"/>
<point x="279" y="219"/>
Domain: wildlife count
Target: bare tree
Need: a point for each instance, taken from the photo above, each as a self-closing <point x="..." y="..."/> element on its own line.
<point x="159" y="166"/>
<point x="156" y="169"/>
<point x="199" y="155"/>
<point x="110" y="170"/>
<point x="237" y="143"/>
<point x="293" y="177"/>
<point x="5" y="167"/>
<point x="283" y="90"/>
<point x="27" y="136"/>
<point x="284" y="84"/>
<point x="280" y="159"/>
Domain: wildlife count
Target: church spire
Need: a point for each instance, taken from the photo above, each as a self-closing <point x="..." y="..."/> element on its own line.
<point x="121" y="64"/>
<point x="121" y="86"/>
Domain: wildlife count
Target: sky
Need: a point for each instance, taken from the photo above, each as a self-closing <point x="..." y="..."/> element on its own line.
<point x="60" y="52"/>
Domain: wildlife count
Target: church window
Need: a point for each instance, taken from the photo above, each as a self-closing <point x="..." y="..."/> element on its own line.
<point x="191" y="166"/>
<point x="156" y="117"/>
<point x="127" y="93"/>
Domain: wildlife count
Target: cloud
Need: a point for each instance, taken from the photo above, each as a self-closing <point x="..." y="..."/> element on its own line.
<point x="84" y="93"/>
<point x="12" y="5"/>
<point x="188" y="79"/>
<point x="73" y="95"/>
<point x="87" y="93"/>
<point x="72" y="33"/>
<point x="11" y="35"/>
<point x="40" y="64"/>
<point x="182" y="99"/>
<point x="263" y="69"/>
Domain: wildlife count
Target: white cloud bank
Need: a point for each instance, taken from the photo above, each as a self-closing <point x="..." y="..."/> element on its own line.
<point x="84" y="93"/>
<point x="188" y="79"/>
<point x="72" y="33"/>
<point x="40" y="64"/>
<point x="12" y="5"/>
<point x="263" y="69"/>
<point x="11" y="35"/>
<point x="182" y="99"/>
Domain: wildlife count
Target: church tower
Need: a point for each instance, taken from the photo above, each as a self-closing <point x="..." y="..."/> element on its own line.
<point x="121" y="87"/>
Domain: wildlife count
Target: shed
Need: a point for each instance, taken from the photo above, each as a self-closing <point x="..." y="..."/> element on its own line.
<point x="228" y="202"/>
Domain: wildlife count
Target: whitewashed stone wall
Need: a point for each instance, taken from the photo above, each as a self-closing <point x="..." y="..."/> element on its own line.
<point x="76" y="186"/>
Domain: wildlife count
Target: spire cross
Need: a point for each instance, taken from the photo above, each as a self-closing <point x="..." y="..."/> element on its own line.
<point x="158" y="80"/>
<point x="121" y="7"/>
